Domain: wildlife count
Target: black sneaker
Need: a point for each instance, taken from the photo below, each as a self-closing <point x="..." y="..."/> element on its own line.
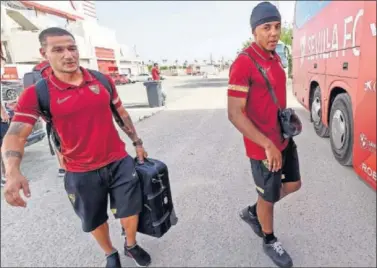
<point x="252" y="220"/>
<point x="277" y="253"/>
<point x="139" y="255"/>
<point x="113" y="261"/>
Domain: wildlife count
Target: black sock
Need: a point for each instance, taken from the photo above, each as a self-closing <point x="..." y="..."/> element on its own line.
<point x="253" y="209"/>
<point x="268" y="237"/>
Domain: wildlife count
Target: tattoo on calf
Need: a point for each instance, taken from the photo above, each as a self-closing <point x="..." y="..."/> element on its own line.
<point x="9" y="154"/>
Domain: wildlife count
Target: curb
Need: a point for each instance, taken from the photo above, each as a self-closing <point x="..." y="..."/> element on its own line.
<point x="143" y="117"/>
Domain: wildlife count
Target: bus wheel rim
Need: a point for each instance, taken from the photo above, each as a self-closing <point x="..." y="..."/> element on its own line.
<point x="338" y="129"/>
<point x="316" y="111"/>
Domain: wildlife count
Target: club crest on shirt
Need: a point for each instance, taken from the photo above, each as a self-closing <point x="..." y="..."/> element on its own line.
<point x="94" y="89"/>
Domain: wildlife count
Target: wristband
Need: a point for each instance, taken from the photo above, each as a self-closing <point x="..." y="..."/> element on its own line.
<point x="139" y="142"/>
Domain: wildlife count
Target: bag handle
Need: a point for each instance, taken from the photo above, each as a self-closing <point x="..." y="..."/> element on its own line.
<point x="263" y="73"/>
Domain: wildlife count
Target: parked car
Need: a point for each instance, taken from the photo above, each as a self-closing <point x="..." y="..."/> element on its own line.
<point x="143" y="77"/>
<point x="283" y="52"/>
<point x="11" y="91"/>
<point x="126" y="79"/>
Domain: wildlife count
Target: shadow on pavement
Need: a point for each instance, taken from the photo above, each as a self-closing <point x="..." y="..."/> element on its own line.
<point x="204" y="82"/>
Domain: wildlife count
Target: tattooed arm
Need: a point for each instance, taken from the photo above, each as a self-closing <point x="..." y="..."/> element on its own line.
<point x="13" y="146"/>
<point x="128" y="127"/>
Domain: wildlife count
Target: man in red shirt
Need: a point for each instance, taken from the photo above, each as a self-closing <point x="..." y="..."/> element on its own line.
<point x="155" y="72"/>
<point x="251" y="109"/>
<point x="96" y="161"/>
<point x="156" y="77"/>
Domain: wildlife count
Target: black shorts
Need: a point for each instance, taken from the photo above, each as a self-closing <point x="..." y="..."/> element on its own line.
<point x="89" y="192"/>
<point x="268" y="183"/>
<point x="4" y="129"/>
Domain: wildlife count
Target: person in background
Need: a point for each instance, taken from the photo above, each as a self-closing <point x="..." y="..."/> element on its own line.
<point x="4" y="122"/>
<point x="96" y="161"/>
<point x="274" y="160"/>
<point x="155" y="72"/>
<point x="46" y="72"/>
<point x="156" y="77"/>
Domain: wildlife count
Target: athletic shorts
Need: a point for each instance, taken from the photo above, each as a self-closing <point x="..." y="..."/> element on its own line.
<point x="4" y="128"/>
<point x="89" y="191"/>
<point x="268" y="183"/>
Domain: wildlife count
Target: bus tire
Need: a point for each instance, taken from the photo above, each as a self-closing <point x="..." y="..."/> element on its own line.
<point x="316" y="114"/>
<point x="341" y="129"/>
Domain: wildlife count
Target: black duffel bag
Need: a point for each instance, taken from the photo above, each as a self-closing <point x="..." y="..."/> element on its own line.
<point x="157" y="215"/>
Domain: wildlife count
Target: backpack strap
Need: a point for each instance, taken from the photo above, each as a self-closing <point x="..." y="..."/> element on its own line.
<point x="106" y="83"/>
<point x="43" y="96"/>
<point x="264" y="75"/>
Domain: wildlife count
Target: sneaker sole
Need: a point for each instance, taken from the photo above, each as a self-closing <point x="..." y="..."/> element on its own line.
<point x="138" y="265"/>
<point x="289" y="265"/>
<point x="251" y="225"/>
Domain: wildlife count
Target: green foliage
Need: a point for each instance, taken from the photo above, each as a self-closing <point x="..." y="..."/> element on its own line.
<point x="286" y="35"/>
<point x="247" y="43"/>
<point x="290" y="66"/>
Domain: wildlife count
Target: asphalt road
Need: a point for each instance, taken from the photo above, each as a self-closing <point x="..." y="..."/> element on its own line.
<point x="331" y="221"/>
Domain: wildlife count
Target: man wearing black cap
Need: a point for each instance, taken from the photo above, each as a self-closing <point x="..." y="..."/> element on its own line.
<point x="251" y="109"/>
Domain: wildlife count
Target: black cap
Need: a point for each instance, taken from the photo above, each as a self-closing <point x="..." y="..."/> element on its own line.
<point x="262" y="13"/>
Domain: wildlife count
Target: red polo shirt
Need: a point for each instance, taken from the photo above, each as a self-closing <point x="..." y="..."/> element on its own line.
<point x="155" y="74"/>
<point x="82" y="118"/>
<point x="245" y="80"/>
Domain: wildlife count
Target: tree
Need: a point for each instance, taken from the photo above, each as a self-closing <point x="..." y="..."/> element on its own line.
<point x="286" y="35"/>
<point x="247" y="43"/>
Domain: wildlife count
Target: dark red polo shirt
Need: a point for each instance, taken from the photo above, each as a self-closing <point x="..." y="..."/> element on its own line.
<point x="261" y="109"/>
<point x="83" y="120"/>
<point x="155" y="74"/>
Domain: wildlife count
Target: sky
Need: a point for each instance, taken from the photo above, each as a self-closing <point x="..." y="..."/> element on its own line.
<point x="184" y="30"/>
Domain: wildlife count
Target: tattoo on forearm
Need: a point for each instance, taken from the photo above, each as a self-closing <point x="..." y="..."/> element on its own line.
<point x="15" y="128"/>
<point x="9" y="154"/>
<point x="128" y="127"/>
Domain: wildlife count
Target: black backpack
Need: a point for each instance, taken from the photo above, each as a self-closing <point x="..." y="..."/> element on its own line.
<point x="43" y="95"/>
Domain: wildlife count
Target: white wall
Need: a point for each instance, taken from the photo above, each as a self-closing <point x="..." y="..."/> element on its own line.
<point x="88" y="34"/>
<point x="20" y="53"/>
<point x="24" y="47"/>
<point x="100" y="36"/>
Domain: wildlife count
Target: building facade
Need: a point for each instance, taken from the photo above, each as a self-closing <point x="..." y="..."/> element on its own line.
<point x="22" y="21"/>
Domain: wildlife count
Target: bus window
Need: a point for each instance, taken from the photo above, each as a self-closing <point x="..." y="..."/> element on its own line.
<point x="306" y="10"/>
